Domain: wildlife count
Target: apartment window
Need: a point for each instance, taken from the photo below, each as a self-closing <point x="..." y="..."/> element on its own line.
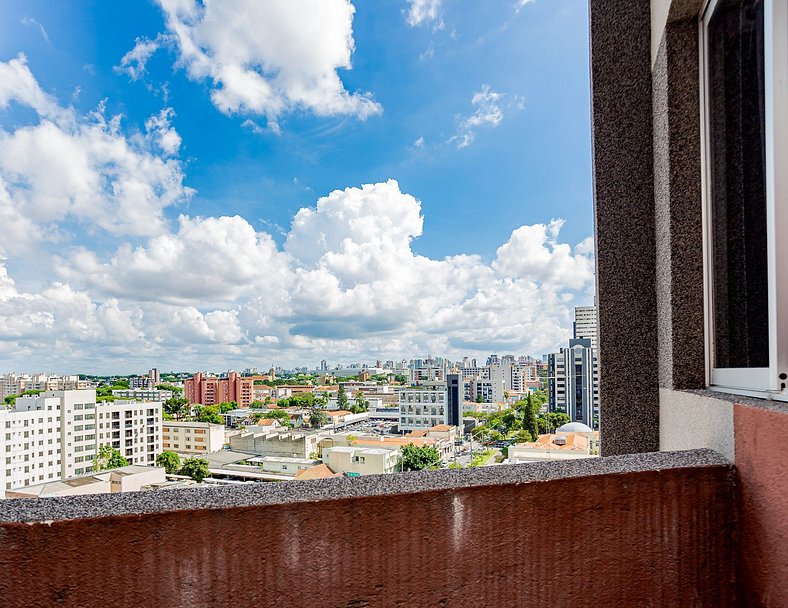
<point x="745" y="149"/>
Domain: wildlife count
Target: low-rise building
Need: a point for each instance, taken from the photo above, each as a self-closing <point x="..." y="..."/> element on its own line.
<point x="562" y="446"/>
<point x="295" y="444"/>
<point x="192" y="437"/>
<point x="131" y="478"/>
<point x="357" y="460"/>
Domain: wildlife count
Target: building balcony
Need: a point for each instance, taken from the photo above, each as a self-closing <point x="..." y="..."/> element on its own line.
<point x="646" y="530"/>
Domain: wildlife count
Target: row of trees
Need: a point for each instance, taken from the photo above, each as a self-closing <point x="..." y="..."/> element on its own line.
<point x="196" y="468"/>
<point x="522" y="422"/>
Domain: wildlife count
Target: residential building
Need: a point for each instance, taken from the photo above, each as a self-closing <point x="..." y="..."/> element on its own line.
<point x="56" y="435"/>
<point x="480" y="390"/>
<point x="586" y="325"/>
<point x="431" y="403"/>
<point x="573" y="382"/>
<point x="131" y="478"/>
<point x="210" y="390"/>
<point x="141" y="383"/>
<point x="192" y="437"/>
<point x="143" y="395"/>
<point x="132" y="427"/>
<point x="13" y="384"/>
<point x="355" y="461"/>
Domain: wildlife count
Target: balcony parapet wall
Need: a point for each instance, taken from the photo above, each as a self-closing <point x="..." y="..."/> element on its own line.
<point x="636" y="530"/>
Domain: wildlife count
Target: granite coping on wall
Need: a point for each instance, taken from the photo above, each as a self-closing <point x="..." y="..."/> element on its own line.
<point x="26" y="510"/>
<point x="767" y="404"/>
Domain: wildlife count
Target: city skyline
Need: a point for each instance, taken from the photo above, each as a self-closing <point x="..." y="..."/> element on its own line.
<point x="207" y="203"/>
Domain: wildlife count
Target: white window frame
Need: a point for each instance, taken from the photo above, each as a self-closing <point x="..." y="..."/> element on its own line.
<point x="765" y="382"/>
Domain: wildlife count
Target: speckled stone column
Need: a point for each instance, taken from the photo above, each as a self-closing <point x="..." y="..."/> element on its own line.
<point x="678" y="205"/>
<point x="625" y="229"/>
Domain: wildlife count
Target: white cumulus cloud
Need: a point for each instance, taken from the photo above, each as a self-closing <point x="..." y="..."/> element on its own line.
<point x="264" y="58"/>
<point x="82" y="168"/>
<point x="347" y="285"/>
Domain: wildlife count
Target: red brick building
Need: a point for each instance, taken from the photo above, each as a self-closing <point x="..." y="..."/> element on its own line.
<point x="209" y="390"/>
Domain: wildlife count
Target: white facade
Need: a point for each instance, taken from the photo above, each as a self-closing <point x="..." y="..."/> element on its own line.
<point x="57" y="434"/>
<point x="140" y="394"/>
<point x="361" y="461"/>
<point x="133" y="427"/>
<point x="192" y="437"/>
<point x="16" y="384"/>
<point x="586" y="324"/>
<point x="423" y="408"/>
<point x="480" y="390"/>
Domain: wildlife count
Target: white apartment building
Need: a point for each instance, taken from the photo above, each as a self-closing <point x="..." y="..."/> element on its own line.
<point x="133" y="427"/>
<point x="356" y="461"/>
<point x="586" y="324"/>
<point x="421" y="408"/>
<point x="140" y="394"/>
<point x="13" y="384"/>
<point x="484" y="391"/>
<point x="192" y="437"/>
<point x="57" y="434"/>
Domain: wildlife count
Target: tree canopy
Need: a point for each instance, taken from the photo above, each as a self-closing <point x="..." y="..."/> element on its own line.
<point x="170" y="461"/>
<point x="416" y="458"/>
<point x="208" y="413"/>
<point x="108" y="458"/>
<point x="196" y="468"/>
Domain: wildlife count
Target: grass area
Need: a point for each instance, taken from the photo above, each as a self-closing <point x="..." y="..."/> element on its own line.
<point x="479" y="460"/>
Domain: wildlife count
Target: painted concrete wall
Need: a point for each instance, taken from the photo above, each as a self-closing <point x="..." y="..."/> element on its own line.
<point x="762" y="470"/>
<point x="659" y="536"/>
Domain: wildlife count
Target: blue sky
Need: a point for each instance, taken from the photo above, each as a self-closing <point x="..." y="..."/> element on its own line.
<point x="479" y="111"/>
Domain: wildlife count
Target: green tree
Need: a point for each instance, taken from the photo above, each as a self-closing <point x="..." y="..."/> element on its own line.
<point x="550" y="421"/>
<point x="175" y="390"/>
<point x="282" y="416"/>
<point x="479" y="399"/>
<point x="317" y="417"/>
<point x="170" y="461"/>
<point x="257" y="405"/>
<point x="415" y="458"/>
<point x="208" y="413"/>
<point x="108" y="458"/>
<point x="530" y="423"/>
<point x="226" y="406"/>
<point x="360" y="403"/>
<point x="177" y="407"/>
<point x="11" y="399"/>
<point x="196" y="468"/>
<point x="342" y="402"/>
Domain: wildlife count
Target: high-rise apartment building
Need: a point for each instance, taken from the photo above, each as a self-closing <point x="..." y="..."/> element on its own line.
<point x="573" y="382"/>
<point x="431" y="404"/>
<point x="585" y="325"/>
<point x="210" y="390"/>
<point x="57" y="434"/>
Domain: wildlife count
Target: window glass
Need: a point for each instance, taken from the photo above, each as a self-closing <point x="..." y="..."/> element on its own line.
<point x="737" y="136"/>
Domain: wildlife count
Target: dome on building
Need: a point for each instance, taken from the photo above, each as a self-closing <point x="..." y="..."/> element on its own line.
<point x="574" y="427"/>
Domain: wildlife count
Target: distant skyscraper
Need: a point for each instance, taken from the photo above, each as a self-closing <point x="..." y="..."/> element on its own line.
<point x="585" y="325"/>
<point x="573" y="382"/>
